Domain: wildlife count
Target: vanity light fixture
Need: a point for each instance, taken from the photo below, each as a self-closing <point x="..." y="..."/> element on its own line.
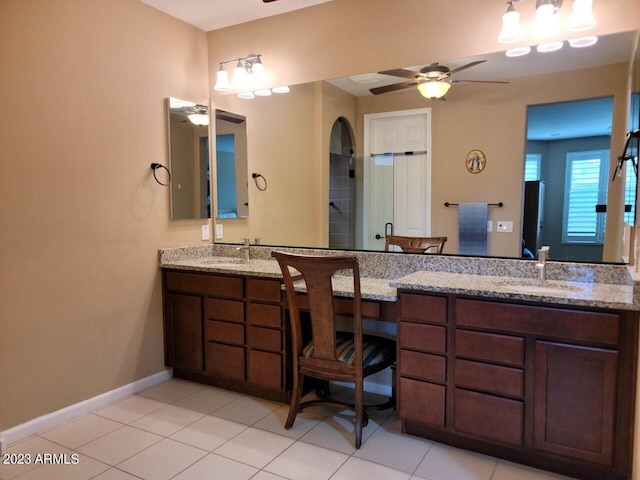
<point x="511" y="30"/>
<point x="583" y="42"/>
<point x="546" y="23"/>
<point x="248" y="72"/>
<point x="434" y="89"/>
<point x="518" y="51"/>
<point x="549" y="47"/>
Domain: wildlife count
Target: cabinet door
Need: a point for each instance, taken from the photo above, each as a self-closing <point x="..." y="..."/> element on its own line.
<point x="183" y="331"/>
<point x="575" y="392"/>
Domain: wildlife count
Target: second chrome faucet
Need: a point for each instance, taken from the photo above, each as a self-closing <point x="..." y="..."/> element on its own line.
<point x="541" y="266"/>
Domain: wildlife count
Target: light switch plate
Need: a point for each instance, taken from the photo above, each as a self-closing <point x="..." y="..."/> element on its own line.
<point x="218" y="231"/>
<point x="504" y="226"/>
<point x="206" y="235"/>
<point x="489" y="225"/>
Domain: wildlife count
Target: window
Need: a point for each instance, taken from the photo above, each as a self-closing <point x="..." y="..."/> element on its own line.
<point x="585" y="186"/>
<point x="630" y="191"/>
<point x="532" y="166"/>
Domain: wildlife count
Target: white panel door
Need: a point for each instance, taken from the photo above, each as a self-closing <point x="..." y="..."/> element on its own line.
<point x="406" y="206"/>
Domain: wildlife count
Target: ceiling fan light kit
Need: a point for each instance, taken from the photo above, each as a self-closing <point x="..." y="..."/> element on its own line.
<point x="546" y="25"/>
<point x="434" y="89"/>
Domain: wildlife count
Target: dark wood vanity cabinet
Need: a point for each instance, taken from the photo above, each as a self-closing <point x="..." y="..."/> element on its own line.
<point x="547" y="386"/>
<point x="226" y="331"/>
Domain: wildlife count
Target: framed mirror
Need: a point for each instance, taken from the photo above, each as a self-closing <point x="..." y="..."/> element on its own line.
<point x="232" y="193"/>
<point x="189" y="159"/>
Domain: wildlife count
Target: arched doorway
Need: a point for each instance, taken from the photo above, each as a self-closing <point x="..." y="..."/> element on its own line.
<point x="342" y="188"/>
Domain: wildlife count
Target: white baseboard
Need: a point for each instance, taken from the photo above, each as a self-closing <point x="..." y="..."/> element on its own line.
<point x="63" y="415"/>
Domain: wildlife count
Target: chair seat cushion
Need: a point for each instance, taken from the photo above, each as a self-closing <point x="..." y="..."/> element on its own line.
<point x="374" y="349"/>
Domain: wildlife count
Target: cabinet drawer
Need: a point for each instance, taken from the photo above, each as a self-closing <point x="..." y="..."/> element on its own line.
<point x="204" y="284"/>
<point x="423" y="308"/>
<point x="561" y="323"/>
<point x="426" y="338"/>
<point x="423" y="366"/>
<point x="488" y="416"/>
<point x="421" y="402"/>
<point x="264" y="338"/>
<point x="225" y="361"/>
<point x="264" y="369"/>
<point x="490" y="347"/>
<point x="265" y="290"/>
<point x="490" y="378"/>
<point x="224" y="332"/>
<point x="228" y="310"/>
<point x="266" y="315"/>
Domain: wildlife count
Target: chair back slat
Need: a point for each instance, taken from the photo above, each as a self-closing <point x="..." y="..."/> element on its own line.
<point x="416" y="244"/>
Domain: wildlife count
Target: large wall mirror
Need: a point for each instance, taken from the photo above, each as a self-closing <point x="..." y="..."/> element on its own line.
<point x="484" y="116"/>
<point x="189" y="159"/>
<point x="231" y="165"/>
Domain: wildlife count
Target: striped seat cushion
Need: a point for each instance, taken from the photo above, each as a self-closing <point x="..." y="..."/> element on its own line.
<point x="374" y="349"/>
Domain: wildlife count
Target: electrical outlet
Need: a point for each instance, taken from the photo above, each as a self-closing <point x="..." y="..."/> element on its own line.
<point x="504" y="226"/>
<point x="205" y="232"/>
<point x="218" y="231"/>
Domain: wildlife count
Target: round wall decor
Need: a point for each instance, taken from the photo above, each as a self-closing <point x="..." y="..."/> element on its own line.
<point x="475" y="161"/>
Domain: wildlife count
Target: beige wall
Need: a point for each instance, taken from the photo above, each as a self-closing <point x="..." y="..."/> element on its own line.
<point x="83" y="86"/>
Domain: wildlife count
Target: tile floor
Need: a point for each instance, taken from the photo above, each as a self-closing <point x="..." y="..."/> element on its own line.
<point x="187" y="431"/>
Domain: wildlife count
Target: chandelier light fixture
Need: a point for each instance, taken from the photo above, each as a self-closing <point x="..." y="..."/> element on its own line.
<point x="546" y="25"/>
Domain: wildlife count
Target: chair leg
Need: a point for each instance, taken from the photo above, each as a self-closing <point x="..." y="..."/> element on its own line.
<point x="296" y="394"/>
<point x="359" y="407"/>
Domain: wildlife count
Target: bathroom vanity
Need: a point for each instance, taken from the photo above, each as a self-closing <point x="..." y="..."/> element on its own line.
<point x="488" y="359"/>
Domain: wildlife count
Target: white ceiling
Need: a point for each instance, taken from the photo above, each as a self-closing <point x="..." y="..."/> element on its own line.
<point x="210" y="15"/>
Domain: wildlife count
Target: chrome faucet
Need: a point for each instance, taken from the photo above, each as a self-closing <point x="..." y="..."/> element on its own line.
<point x="541" y="266"/>
<point x="245" y="249"/>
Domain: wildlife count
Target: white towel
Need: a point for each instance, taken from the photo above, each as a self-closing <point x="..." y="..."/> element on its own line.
<point x="472" y="228"/>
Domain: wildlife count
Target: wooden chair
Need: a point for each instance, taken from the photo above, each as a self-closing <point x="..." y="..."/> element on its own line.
<point x="416" y="244"/>
<point x="330" y="354"/>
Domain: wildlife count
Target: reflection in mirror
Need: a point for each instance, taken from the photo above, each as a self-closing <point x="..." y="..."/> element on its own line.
<point x="189" y="159"/>
<point x="489" y="117"/>
<point x="231" y="165"/>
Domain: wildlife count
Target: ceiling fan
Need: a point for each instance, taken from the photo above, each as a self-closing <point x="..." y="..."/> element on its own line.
<point x="430" y="80"/>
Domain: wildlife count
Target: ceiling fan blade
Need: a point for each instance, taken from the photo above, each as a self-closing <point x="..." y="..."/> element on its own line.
<point x="401" y="72"/>
<point x="268" y="1"/>
<point x="477" y="81"/>
<point x="468" y="65"/>
<point x="393" y="88"/>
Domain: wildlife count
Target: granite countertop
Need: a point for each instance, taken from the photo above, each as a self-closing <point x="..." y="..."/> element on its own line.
<point x="587" y="294"/>
<point x="619" y="296"/>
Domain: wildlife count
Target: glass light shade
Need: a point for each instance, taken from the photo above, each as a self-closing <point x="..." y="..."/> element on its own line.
<point x="199" y="118"/>
<point x="240" y="77"/>
<point x="434" y="90"/>
<point x="582" y="18"/>
<point x="246" y="95"/>
<point x="583" y="42"/>
<point x="546" y="24"/>
<point x="281" y="89"/>
<point x="511" y="30"/>
<point x="549" y="47"/>
<point x="257" y="71"/>
<point x="518" y="52"/>
<point x="222" y="80"/>
<point x="264" y="92"/>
